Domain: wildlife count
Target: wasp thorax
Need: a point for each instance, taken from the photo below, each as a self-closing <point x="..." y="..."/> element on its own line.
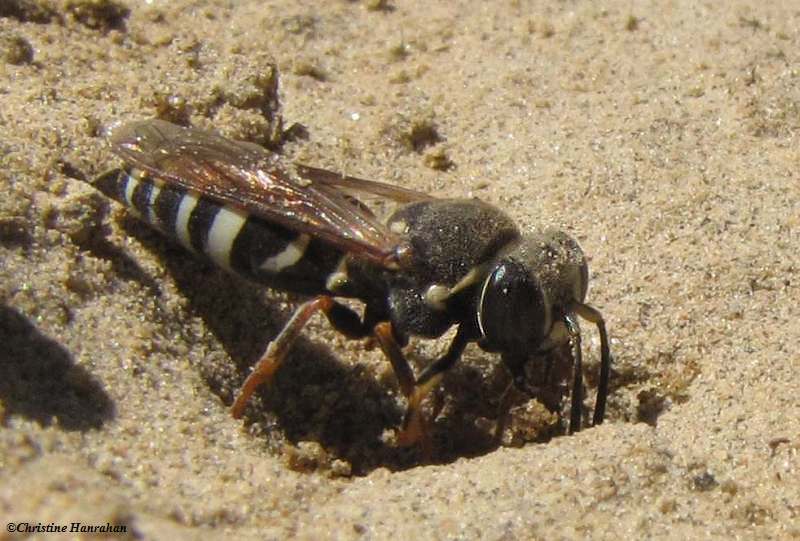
<point x="532" y="285"/>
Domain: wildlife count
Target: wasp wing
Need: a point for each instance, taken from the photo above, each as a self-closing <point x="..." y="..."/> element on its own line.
<point x="355" y="186"/>
<point x="245" y="175"/>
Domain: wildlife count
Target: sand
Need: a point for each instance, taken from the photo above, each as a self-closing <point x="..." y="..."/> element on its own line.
<point x="661" y="135"/>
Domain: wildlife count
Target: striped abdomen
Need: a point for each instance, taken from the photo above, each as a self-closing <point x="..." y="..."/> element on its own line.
<point x="230" y="237"/>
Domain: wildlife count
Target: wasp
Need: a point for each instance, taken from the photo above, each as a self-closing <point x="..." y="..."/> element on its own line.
<point x="436" y="263"/>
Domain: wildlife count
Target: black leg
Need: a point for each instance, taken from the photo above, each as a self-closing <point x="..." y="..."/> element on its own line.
<point x="576" y="405"/>
<point x="346" y="321"/>
<point x="446" y="361"/>
<point x="593" y="315"/>
<point x="414" y="421"/>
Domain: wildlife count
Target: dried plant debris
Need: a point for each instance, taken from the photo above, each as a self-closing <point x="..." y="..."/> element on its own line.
<point x="29" y="11"/>
<point x="103" y="15"/>
<point x="414" y="132"/>
<point x="15" y="49"/>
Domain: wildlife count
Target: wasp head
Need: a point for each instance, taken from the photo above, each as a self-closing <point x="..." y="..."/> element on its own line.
<point x="528" y="291"/>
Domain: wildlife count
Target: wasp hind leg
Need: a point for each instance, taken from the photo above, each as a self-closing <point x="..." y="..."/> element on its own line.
<point x="341" y="317"/>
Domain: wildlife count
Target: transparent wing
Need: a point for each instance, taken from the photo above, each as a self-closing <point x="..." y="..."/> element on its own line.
<point x="305" y="199"/>
<point x="356" y="186"/>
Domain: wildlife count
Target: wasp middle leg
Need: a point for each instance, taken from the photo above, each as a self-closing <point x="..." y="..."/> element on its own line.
<point x="415" y="426"/>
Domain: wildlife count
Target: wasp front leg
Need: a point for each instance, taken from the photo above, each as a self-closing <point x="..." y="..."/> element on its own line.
<point x="593" y="315"/>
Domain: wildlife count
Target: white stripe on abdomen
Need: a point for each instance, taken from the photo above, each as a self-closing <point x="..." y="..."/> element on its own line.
<point x="226" y="226"/>
<point x="289" y="256"/>
<point x="188" y="203"/>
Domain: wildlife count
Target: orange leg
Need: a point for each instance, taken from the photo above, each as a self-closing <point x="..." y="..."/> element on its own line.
<point x="276" y="351"/>
<point x="341" y="317"/>
<point x="415" y="427"/>
<point x="503" y="412"/>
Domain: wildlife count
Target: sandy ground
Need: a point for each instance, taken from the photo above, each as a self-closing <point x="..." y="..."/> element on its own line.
<point x="662" y="135"/>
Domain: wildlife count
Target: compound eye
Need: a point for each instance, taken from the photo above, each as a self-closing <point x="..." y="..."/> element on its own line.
<point x="514" y="315"/>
